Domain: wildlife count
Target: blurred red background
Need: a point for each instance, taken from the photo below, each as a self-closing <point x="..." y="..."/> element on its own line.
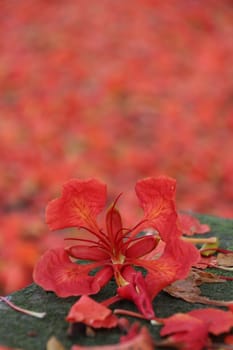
<point x="117" y="90"/>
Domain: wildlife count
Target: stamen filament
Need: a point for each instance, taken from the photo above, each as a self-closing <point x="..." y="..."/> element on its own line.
<point x="94" y="244"/>
<point x="129" y="313"/>
<point x="102" y="236"/>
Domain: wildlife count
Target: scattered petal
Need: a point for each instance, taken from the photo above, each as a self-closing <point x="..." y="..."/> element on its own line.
<point x="190" y="225"/>
<point x="192" y="329"/>
<point x="134" y="340"/>
<point x="91" y="313"/>
<point x="185" y="331"/>
<point x="218" y="321"/>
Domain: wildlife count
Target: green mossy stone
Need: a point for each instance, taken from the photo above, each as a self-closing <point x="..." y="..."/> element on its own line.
<point x="29" y="333"/>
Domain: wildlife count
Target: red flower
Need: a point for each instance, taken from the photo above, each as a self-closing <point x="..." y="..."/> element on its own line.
<point x="116" y="250"/>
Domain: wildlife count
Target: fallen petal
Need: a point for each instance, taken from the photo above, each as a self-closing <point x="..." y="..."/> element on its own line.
<point x="218" y="321"/>
<point x="135" y="340"/>
<point x="91" y="313"/>
<point x="190" y="225"/>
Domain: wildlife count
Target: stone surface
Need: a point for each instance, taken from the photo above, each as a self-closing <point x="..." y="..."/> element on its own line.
<point x="28" y="333"/>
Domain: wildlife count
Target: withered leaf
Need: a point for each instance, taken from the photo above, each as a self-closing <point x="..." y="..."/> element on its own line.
<point x="225" y="259"/>
<point x="54" y="344"/>
<point x="188" y="289"/>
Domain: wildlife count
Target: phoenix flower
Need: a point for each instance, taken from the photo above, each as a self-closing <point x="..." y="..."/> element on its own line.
<point x="101" y="254"/>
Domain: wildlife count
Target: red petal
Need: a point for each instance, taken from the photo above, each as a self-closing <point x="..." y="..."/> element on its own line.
<point x="79" y="205"/>
<point x="55" y="272"/>
<point x="136" y="340"/>
<point x="187" y="330"/>
<point x="141" y="247"/>
<point x="185" y="255"/>
<point x="218" y="321"/>
<point x="136" y="291"/>
<point x="156" y="196"/>
<point x="104" y="275"/>
<point x="113" y="224"/>
<point x="174" y="264"/>
<point x="87" y="253"/>
<point x="92" y="313"/>
<point x="179" y="323"/>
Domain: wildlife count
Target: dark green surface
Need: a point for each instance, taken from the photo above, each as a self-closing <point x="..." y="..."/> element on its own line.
<point x="28" y="333"/>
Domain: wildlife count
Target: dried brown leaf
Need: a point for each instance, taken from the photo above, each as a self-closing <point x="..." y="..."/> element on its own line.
<point x="225" y="259"/>
<point x="188" y="289"/>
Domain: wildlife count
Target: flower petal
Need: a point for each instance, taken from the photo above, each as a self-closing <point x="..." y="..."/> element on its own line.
<point x="113" y="224"/>
<point x="157" y="198"/>
<point x="142" y="246"/>
<point x="135" y="340"/>
<point x="190" y="225"/>
<point x="87" y="252"/>
<point x="92" y="313"/>
<point x="136" y="290"/>
<point x="55" y="272"/>
<point x="185" y="329"/>
<point x="79" y="205"/>
<point x="218" y="321"/>
<point x="174" y="264"/>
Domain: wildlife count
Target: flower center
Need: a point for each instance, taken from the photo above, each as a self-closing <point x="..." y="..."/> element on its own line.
<point x="119" y="259"/>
